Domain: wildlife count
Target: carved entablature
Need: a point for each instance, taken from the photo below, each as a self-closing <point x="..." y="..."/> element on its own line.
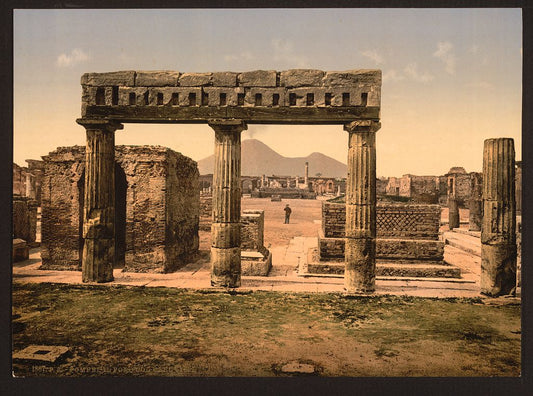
<point x="297" y="96"/>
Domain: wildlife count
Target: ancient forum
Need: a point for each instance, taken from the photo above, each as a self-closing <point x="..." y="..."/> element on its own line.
<point x="228" y="102"/>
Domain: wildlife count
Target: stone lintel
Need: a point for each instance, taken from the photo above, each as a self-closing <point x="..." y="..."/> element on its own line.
<point x="362" y="126"/>
<point x="104" y="124"/>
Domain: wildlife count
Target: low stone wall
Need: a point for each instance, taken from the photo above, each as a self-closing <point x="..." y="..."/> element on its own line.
<point x="25" y="219"/>
<point x="255" y="257"/>
<point x="287" y="193"/>
<point x="387" y="249"/>
<point x="402" y="221"/>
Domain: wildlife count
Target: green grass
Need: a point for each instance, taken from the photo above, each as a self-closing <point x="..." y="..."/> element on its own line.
<point x="118" y="330"/>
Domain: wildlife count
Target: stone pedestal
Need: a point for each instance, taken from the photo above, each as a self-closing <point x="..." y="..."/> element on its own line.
<point x="99" y="209"/>
<point x="360" y="246"/>
<point x="498" y="234"/>
<point x="453" y="213"/>
<point x="225" y="230"/>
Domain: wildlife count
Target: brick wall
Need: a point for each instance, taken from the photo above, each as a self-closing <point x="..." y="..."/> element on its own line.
<point x="415" y="221"/>
<point x="156" y="213"/>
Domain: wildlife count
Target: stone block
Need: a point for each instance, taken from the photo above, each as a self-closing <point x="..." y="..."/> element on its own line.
<point x="352" y="78"/>
<point x="21" y="251"/>
<point x="119" y="78"/>
<point x="195" y="79"/>
<point x="255" y="263"/>
<point x="319" y="95"/>
<point x="258" y="78"/>
<point x="157" y="78"/>
<point x="224" y="79"/>
<point x="41" y="353"/>
<point x="231" y="95"/>
<point x="301" y="78"/>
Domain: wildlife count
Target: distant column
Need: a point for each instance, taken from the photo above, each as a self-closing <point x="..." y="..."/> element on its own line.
<point x="98" y="255"/>
<point x="225" y="229"/>
<point x="30" y="192"/>
<point x="360" y="245"/>
<point x="475" y="204"/>
<point x="498" y="234"/>
<point x="306" y="177"/>
<point x="453" y="213"/>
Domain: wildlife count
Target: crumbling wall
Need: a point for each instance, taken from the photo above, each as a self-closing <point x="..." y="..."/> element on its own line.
<point x="62" y="193"/>
<point x="24" y="219"/>
<point x="160" y="190"/>
<point x="256" y="259"/>
<point x="206" y="211"/>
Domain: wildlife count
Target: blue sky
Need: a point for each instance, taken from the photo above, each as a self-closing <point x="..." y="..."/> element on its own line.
<point x="452" y="77"/>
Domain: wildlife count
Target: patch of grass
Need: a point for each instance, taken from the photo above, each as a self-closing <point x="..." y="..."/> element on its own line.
<point x="163" y="331"/>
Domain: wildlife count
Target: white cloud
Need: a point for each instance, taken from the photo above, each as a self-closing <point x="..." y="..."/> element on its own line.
<point x="480" y="84"/>
<point x="76" y="56"/>
<point x="411" y="71"/>
<point x="245" y="55"/>
<point x="445" y="53"/>
<point x="393" y="75"/>
<point x="373" y="55"/>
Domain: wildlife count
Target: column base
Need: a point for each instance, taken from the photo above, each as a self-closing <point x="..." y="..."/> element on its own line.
<point x="360" y="267"/>
<point x="98" y="260"/>
<point x="498" y="269"/>
<point x="226" y="267"/>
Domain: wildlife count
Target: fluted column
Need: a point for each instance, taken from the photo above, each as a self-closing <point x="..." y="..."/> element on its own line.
<point x="475" y="204"/>
<point x="360" y="245"/>
<point x="498" y="235"/>
<point x="225" y="229"/>
<point x="99" y="204"/>
<point x="454" y="221"/>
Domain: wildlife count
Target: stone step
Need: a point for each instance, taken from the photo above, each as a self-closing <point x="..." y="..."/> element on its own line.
<point x="465" y="242"/>
<point x="421" y="270"/>
<point x="465" y="231"/>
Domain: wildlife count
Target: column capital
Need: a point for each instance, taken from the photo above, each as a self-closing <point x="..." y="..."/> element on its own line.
<point x="227" y="124"/>
<point x="103" y="124"/>
<point x="362" y="126"/>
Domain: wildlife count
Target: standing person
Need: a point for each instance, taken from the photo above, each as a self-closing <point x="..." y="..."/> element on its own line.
<point x="287" y="213"/>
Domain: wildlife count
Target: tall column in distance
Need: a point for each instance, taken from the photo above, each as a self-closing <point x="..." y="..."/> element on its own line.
<point x="306" y="176"/>
<point x="454" y="220"/>
<point x="98" y="255"/>
<point x="475" y="204"/>
<point x="226" y="226"/>
<point x="360" y="245"/>
<point x="498" y="234"/>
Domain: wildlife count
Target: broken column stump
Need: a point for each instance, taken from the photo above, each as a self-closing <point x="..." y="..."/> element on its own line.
<point x="225" y="230"/>
<point x="498" y="235"/>
<point x="453" y="213"/>
<point x="475" y="204"/>
<point x="360" y="246"/>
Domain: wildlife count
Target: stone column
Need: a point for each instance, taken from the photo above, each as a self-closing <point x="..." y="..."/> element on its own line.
<point x="306" y="176"/>
<point x="475" y="204"/>
<point x="99" y="208"/>
<point x="498" y="233"/>
<point x="30" y="192"/>
<point x="225" y="229"/>
<point x="360" y="245"/>
<point x="453" y="213"/>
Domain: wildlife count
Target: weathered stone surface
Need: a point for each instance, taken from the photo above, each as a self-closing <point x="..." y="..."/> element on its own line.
<point x="231" y="95"/>
<point x="498" y="228"/>
<point x="301" y="78"/>
<point x="156" y="192"/>
<point x="352" y="77"/>
<point x="21" y="251"/>
<point x="255" y="263"/>
<point x="224" y="79"/>
<point x="157" y="78"/>
<point x="258" y="78"/>
<point x="267" y="95"/>
<point x="24" y="219"/>
<point x="226" y="267"/>
<point x="195" y="79"/>
<point x="118" y="78"/>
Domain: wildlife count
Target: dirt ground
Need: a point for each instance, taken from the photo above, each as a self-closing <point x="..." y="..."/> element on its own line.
<point x="134" y="331"/>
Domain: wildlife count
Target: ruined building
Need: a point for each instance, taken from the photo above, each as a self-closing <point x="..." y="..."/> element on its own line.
<point x="156" y="208"/>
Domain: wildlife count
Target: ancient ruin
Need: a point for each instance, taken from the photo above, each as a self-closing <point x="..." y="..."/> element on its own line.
<point x="498" y="228"/>
<point x="156" y="209"/>
<point x="228" y="101"/>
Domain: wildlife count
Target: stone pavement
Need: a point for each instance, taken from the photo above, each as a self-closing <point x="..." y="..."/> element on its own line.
<point x="288" y="261"/>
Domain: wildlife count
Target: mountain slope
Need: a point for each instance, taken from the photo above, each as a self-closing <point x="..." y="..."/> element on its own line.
<point x="259" y="159"/>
